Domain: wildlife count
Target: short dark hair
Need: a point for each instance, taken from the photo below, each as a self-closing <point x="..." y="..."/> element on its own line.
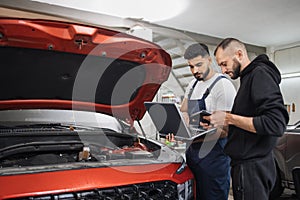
<point x="195" y="50"/>
<point x="226" y="42"/>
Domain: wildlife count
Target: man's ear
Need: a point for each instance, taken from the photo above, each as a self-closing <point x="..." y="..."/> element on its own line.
<point x="210" y="60"/>
<point x="240" y="54"/>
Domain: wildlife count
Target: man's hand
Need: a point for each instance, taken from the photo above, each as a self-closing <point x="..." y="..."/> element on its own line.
<point x="206" y="126"/>
<point x="221" y="118"/>
<point x="186" y="117"/>
<point x="217" y="119"/>
<point x="170" y="140"/>
<point x="170" y="137"/>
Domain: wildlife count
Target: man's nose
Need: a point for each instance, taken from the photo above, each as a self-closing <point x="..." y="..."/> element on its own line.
<point x="224" y="70"/>
<point x="195" y="69"/>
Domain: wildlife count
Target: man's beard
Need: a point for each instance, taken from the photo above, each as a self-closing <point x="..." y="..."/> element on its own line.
<point x="236" y="67"/>
<point x="204" y="75"/>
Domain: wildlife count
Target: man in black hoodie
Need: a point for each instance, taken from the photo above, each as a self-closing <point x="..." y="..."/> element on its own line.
<point x="257" y="119"/>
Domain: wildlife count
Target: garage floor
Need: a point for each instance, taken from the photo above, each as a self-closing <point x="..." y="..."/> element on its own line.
<point x="287" y="195"/>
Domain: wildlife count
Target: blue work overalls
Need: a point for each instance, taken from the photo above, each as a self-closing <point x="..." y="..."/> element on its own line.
<point x="211" y="172"/>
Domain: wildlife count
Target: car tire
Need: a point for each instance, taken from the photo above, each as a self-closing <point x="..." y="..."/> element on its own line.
<point x="296" y="179"/>
<point x="278" y="188"/>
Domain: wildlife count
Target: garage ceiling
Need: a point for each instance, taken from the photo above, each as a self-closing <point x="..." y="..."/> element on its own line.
<point x="259" y="22"/>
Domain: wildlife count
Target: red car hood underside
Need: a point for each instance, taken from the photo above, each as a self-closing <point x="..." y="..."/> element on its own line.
<point x="58" y="65"/>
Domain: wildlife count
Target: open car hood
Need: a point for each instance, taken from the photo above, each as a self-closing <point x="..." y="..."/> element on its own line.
<point x="59" y="65"/>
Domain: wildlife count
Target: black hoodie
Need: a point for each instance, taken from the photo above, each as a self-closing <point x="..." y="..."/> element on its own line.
<point x="259" y="96"/>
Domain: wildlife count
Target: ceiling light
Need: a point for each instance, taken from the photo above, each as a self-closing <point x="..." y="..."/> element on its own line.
<point x="290" y="75"/>
<point x="154" y="10"/>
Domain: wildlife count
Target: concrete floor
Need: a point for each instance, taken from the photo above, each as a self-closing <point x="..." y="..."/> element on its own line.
<point x="287" y="195"/>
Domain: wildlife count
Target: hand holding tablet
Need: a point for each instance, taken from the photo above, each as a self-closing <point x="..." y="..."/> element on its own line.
<point x="197" y="117"/>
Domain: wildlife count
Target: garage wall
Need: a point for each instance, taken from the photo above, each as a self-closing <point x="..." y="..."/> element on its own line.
<point x="288" y="61"/>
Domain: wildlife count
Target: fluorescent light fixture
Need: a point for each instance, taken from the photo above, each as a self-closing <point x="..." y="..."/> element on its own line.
<point x="290" y="75"/>
<point x="154" y="10"/>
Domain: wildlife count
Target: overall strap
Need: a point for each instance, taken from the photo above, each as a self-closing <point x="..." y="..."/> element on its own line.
<point x="192" y="89"/>
<point x="206" y="93"/>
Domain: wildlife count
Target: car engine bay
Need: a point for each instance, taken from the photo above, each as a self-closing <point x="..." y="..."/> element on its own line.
<point x="57" y="144"/>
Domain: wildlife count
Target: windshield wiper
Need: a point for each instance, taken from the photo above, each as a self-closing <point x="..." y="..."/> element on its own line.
<point x="37" y="147"/>
<point x="43" y="125"/>
<point x="51" y="127"/>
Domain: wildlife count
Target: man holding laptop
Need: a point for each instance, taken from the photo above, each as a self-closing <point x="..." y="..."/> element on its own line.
<point x="209" y="91"/>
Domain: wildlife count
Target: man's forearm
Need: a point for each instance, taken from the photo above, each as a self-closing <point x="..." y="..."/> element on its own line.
<point x="242" y="122"/>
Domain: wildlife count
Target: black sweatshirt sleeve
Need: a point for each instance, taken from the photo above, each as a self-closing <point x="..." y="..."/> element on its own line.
<point x="271" y="116"/>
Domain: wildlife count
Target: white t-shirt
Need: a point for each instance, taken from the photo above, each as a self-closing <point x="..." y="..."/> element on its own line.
<point x="221" y="96"/>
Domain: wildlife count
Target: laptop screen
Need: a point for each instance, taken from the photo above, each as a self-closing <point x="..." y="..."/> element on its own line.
<point x="167" y="119"/>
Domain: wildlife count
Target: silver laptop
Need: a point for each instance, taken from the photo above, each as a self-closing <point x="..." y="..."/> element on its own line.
<point x="167" y="118"/>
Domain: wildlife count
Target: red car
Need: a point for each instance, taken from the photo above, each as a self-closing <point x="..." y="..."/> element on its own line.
<point x="70" y="94"/>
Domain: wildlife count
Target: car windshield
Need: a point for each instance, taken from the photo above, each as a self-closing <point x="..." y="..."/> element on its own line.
<point x="63" y="117"/>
